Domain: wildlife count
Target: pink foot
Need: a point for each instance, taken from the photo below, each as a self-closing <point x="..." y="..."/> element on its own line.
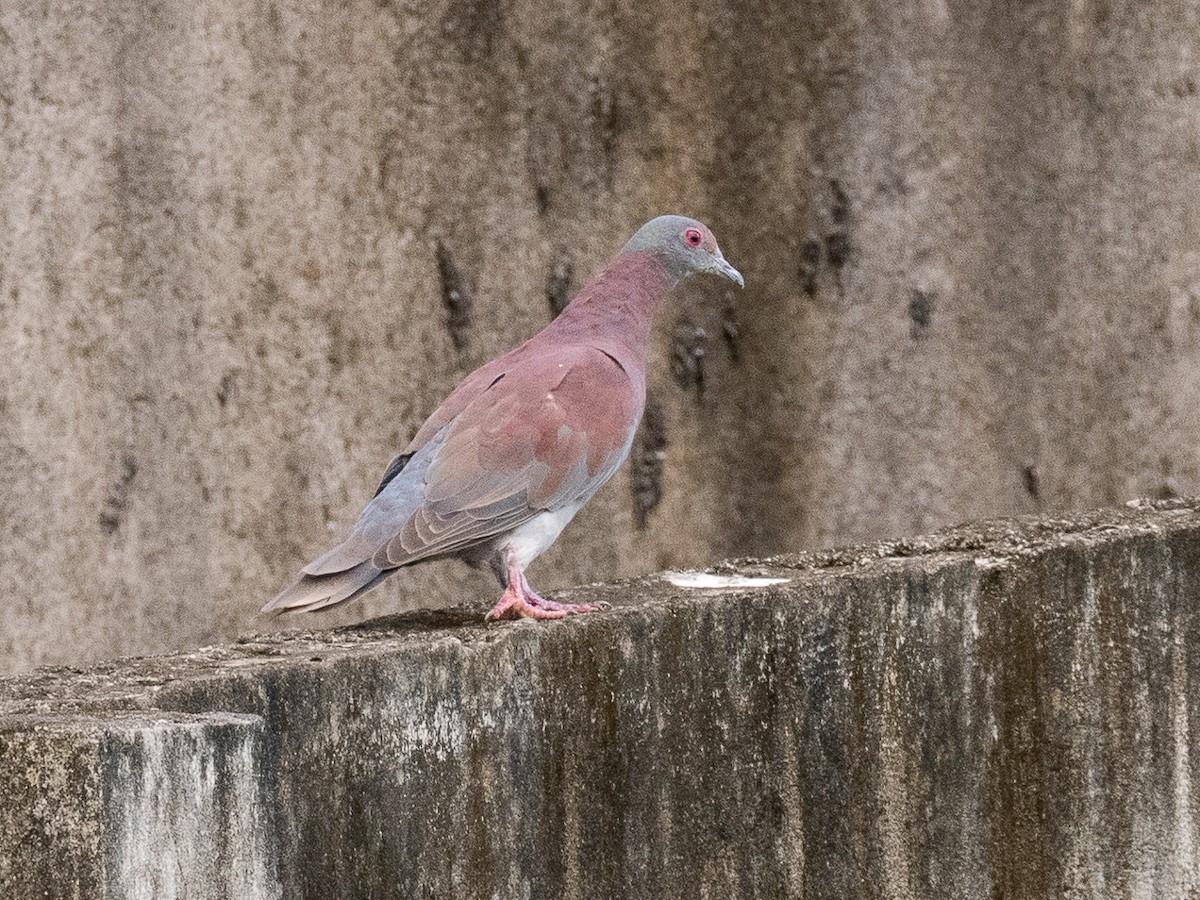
<point x="521" y="601"/>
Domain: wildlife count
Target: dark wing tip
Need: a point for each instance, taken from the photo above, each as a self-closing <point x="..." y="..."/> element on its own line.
<point x="395" y="467"/>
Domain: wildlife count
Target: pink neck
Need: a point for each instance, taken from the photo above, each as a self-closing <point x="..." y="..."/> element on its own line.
<point x="618" y="305"/>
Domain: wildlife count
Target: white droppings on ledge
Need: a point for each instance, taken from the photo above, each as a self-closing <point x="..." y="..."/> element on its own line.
<point x="990" y="563"/>
<point x="707" y="580"/>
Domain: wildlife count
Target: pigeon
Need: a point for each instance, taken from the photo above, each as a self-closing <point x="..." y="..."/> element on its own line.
<point x="519" y="447"/>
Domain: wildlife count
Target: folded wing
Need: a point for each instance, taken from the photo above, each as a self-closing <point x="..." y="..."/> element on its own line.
<point x="543" y="432"/>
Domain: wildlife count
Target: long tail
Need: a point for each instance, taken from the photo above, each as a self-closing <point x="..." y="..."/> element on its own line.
<point x="313" y="592"/>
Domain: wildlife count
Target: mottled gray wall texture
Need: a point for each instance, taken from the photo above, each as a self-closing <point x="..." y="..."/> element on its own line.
<point x="970" y="231"/>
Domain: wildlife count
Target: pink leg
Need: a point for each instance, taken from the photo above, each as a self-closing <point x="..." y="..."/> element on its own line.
<point x="551" y="604"/>
<point x="520" y="600"/>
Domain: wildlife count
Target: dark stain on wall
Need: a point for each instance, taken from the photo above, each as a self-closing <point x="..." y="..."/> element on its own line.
<point x="606" y="122"/>
<point x="456" y="297"/>
<point x="1033" y="483"/>
<point x="266" y="295"/>
<point x="476" y="26"/>
<point x="688" y="348"/>
<point x="118" y="495"/>
<point x="920" y="311"/>
<point x="838" y="245"/>
<point x="345" y="348"/>
<point x="649" y="451"/>
<point x="810" y="264"/>
<point x="730" y="331"/>
<point x="225" y="389"/>
<point x="541" y="197"/>
<point x="558" y="284"/>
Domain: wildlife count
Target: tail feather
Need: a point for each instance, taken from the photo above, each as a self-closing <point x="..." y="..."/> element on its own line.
<point x="342" y="558"/>
<point x="313" y="592"/>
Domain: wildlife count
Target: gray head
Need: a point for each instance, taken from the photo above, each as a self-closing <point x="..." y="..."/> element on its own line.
<point x="685" y="248"/>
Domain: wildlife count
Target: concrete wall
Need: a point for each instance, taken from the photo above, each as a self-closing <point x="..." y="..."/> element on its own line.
<point x="969" y="232"/>
<point x="1002" y="711"/>
<point x="127" y="805"/>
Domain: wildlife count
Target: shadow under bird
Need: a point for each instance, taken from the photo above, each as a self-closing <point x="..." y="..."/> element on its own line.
<point x="519" y="447"/>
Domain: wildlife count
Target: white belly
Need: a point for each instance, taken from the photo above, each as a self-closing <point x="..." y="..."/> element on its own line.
<point x="528" y="541"/>
<point x="525" y="543"/>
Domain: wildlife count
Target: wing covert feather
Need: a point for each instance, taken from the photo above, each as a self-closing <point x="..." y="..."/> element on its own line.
<point x="543" y="438"/>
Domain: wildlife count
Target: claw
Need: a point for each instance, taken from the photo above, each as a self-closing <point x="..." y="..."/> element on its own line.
<point x="520" y="610"/>
<point x="521" y="601"/>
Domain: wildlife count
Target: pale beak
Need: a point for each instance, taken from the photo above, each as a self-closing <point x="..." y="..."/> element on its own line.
<point x="722" y="267"/>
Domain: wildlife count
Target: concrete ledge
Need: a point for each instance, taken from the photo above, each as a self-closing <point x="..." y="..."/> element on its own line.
<point x="1003" y="710"/>
<point x="134" y="805"/>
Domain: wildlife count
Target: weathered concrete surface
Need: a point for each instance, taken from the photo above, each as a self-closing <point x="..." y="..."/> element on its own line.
<point x="969" y="232"/>
<point x="119" y="805"/>
<point x="1001" y="711"/>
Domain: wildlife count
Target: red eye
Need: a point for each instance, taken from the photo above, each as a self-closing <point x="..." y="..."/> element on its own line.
<point x="693" y="237"/>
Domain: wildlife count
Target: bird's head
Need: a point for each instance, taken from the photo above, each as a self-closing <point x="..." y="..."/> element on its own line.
<point x="685" y="247"/>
